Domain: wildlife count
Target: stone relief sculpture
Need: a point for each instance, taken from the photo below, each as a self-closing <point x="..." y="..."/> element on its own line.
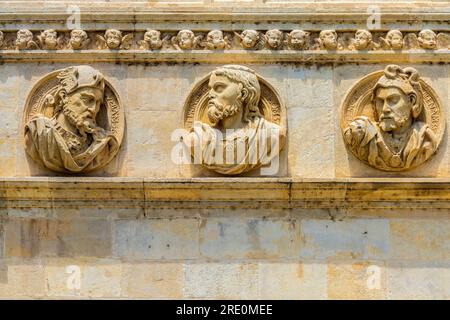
<point x="215" y="40"/>
<point x="186" y="40"/>
<point x="152" y="40"/>
<point x="393" y="40"/>
<point x="427" y="39"/>
<point x="78" y="39"/>
<point x="392" y="120"/>
<point x="249" y="38"/>
<point x="74" y="121"/>
<point x="274" y="39"/>
<point x="114" y="40"/>
<point x="298" y="40"/>
<point x="362" y="41"/>
<point x="25" y="41"/>
<point x="234" y="107"/>
<point x="49" y="40"/>
<point x="328" y="40"/>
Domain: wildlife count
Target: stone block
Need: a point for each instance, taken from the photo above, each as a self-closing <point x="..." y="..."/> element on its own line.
<point x="81" y="278"/>
<point x="241" y="238"/>
<point x="221" y="280"/>
<point x="424" y="280"/>
<point x="356" y="280"/>
<point x="420" y="239"/>
<point x="292" y="280"/>
<point x="153" y="280"/>
<point x="23" y="281"/>
<point x="352" y="238"/>
<point x="29" y="238"/>
<point x="159" y="239"/>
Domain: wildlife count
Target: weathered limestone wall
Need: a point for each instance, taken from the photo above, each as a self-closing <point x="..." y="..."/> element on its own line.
<point x="327" y="226"/>
<point x="154" y="96"/>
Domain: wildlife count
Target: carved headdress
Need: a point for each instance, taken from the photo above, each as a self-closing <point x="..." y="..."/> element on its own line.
<point x="72" y="79"/>
<point x="407" y="80"/>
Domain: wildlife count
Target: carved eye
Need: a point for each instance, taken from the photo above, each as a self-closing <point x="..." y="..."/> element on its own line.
<point x="88" y="99"/>
<point x="393" y="100"/>
<point x="219" y="88"/>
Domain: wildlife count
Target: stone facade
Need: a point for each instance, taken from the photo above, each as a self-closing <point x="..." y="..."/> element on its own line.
<point x="329" y="224"/>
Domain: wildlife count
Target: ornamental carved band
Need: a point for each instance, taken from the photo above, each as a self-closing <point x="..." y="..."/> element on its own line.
<point x="392" y="120"/>
<point x="236" y="121"/>
<point x="74" y="121"/>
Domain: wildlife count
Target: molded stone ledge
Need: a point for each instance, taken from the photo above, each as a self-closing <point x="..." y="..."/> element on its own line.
<point x="378" y="193"/>
<point x="226" y="56"/>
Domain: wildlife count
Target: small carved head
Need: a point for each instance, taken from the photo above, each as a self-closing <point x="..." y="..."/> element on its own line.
<point x="274" y="38"/>
<point x="79" y="97"/>
<point x="233" y="89"/>
<point x="49" y="39"/>
<point x="395" y="39"/>
<point x="427" y="39"/>
<point x="153" y="38"/>
<point x="298" y="39"/>
<point x="78" y="39"/>
<point x="249" y="38"/>
<point x="215" y="40"/>
<point x="113" y="38"/>
<point x="329" y="39"/>
<point x="24" y="37"/>
<point x="186" y="39"/>
<point x="397" y="97"/>
<point x="363" y="38"/>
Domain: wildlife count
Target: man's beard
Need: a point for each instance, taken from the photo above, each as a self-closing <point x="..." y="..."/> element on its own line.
<point x="83" y="124"/>
<point x="218" y="112"/>
<point x="390" y="124"/>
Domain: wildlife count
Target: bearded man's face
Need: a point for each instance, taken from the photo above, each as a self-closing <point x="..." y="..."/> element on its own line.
<point x="225" y="98"/>
<point x="82" y="108"/>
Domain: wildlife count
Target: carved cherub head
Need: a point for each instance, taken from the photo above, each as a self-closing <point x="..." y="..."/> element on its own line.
<point x="274" y="38"/>
<point x="397" y="97"/>
<point x="78" y="39"/>
<point x="363" y="39"/>
<point x="298" y="39"/>
<point x="394" y="39"/>
<point x="427" y="39"/>
<point x="113" y="38"/>
<point x="215" y="40"/>
<point x="48" y="39"/>
<point x="153" y="39"/>
<point x="233" y="90"/>
<point x="328" y="39"/>
<point x="249" y="38"/>
<point x="24" y="39"/>
<point x="185" y="39"/>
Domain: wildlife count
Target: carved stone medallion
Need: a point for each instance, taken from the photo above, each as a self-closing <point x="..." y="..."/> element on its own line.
<point x="234" y="106"/>
<point x="392" y="120"/>
<point x="73" y="121"/>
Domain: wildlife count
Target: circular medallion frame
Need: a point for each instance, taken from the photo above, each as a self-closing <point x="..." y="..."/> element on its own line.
<point x="357" y="102"/>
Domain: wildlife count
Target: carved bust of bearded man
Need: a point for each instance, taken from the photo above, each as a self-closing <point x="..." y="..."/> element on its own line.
<point x="398" y="139"/>
<point x="71" y="140"/>
<point x="238" y="138"/>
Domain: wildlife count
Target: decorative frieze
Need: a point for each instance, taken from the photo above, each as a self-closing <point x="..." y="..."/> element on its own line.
<point x="272" y="39"/>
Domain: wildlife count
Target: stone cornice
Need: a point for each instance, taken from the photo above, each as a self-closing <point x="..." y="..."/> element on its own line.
<point x="225" y="56"/>
<point x="339" y="15"/>
<point x="375" y="193"/>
